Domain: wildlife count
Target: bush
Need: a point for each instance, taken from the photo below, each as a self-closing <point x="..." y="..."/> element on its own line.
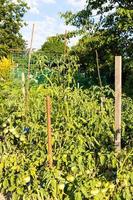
<point x="6" y="65"/>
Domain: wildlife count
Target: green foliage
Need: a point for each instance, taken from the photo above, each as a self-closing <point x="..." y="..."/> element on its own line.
<point x="65" y="70"/>
<point x="85" y="165"/>
<point x="6" y="66"/>
<point x="57" y="72"/>
<point x="54" y="47"/>
<point x="108" y="28"/>
<point x="11" y="22"/>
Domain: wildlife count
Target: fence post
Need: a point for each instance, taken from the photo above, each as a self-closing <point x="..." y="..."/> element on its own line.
<point x="118" y="91"/>
<point x="48" y="107"/>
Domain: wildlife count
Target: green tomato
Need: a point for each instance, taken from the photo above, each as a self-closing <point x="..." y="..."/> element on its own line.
<point x="6" y="130"/>
<point x="22" y="138"/>
<point x="13" y="130"/>
<point x="70" y="178"/>
<point x="104" y="190"/>
<point x="9" y="120"/>
<point x="64" y="158"/>
<point x="98" y="184"/>
<point x="74" y="169"/>
<point x="87" y="171"/>
<point x="26" y="179"/>
<point x="4" y="125"/>
<point x="17" y="135"/>
<point x="112" y="186"/>
<point x="61" y="186"/>
<point x="94" y="192"/>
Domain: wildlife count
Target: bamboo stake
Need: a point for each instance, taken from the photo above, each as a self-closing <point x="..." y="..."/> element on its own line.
<point x="23" y="85"/>
<point x="29" y="61"/>
<point x="118" y="91"/>
<point x="48" y="106"/>
<point x="98" y="69"/>
<point x="65" y="43"/>
<point x="99" y="76"/>
<point x="24" y="93"/>
<point x="30" y="51"/>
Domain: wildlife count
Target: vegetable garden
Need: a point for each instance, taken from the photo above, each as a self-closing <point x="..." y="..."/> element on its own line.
<point x="66" y="115"/>
<point x="85" y="164"/>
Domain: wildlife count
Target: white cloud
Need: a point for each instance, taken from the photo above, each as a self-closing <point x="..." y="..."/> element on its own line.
<point x="49" y="1"/>
<point x="77" y="3"/>
<point x="34" y="10"/>
<point x="47" y="26"/>
<point x="44" y="28"/>
<point x="35" y="4"/>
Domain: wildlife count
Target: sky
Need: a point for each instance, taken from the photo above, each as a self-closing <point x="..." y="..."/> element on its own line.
<point x="45" y="15"/>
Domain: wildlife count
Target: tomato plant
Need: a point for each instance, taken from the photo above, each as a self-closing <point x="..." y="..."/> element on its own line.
<point x="85" y="165"/>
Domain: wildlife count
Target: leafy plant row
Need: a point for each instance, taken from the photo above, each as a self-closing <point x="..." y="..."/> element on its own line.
<point x="85" y="164"/>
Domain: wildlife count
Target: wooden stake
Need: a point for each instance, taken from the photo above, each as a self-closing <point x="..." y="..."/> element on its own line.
<point x="98" y="68"/>
<point x="30" y="51"/>
<point x="27" y="85"/>
<point x="23" y="85"/>
<point x="118" y="91"/>
<point x="65" y="43"/>
<point x="99" y="76"/>
<point x="23" y="92"/>
<point x="48" y="106"/>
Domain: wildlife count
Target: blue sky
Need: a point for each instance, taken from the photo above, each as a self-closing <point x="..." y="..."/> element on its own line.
<point x="45" y="15"/>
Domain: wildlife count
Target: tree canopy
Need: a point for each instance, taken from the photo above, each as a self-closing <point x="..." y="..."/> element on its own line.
<point x="54" y="47"/>
<point x="111" y="19"/>
<point x="11" y="21"/>
<point x="108" y="29"/>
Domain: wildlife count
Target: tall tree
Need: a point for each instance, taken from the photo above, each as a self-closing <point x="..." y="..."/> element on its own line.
<point x="11" y="21"/>
<point x="54" y="47"/>
<point x="112" y="18"/>
<point x="108" y="27"/>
